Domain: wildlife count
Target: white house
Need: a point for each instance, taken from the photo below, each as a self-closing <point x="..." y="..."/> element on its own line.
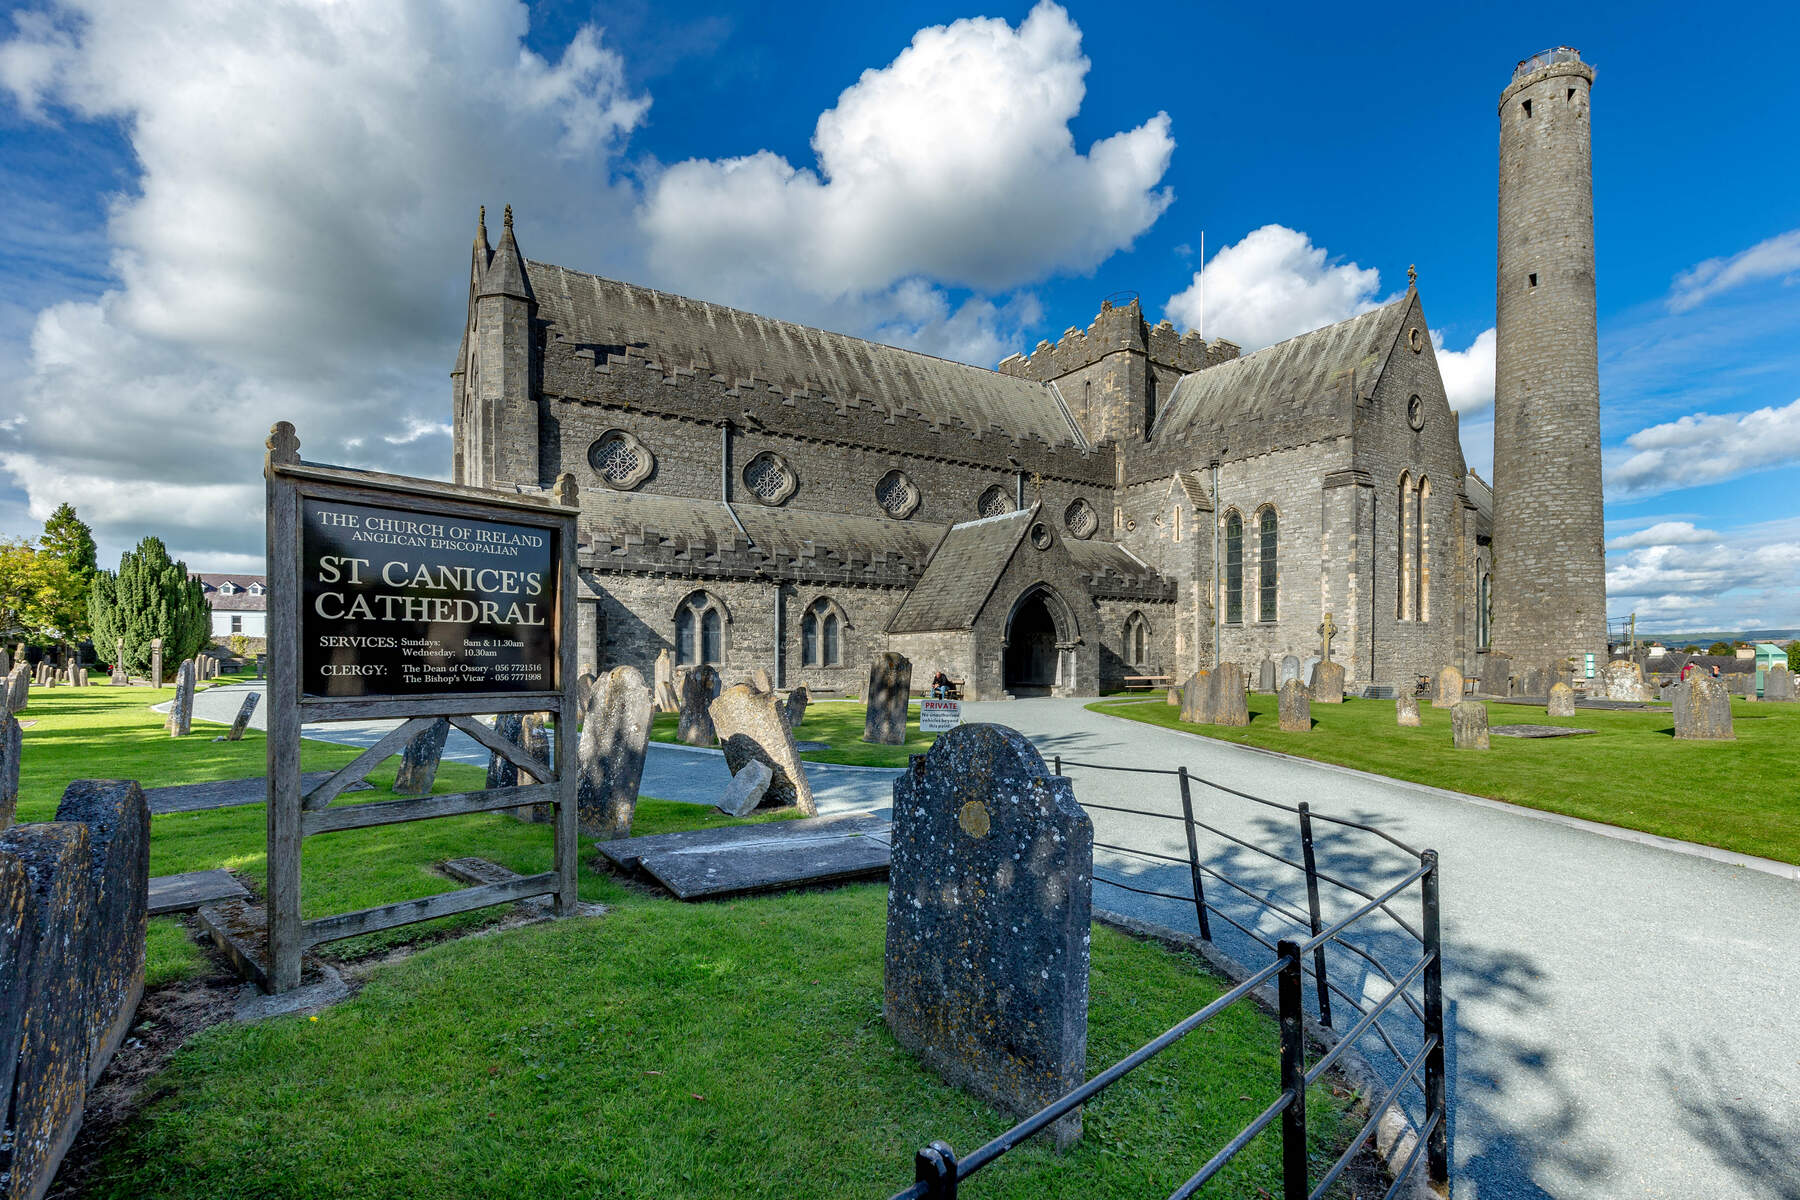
<point x="240" y="604"/>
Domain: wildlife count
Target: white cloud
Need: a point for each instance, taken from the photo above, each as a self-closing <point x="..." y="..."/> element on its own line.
<point x="1772" y="258"/>
<point x="1742" y="579"/>
<point x="1270" y="286"/>
<point x="1468" y="374"/>
<point x="954" y="162"/>
<point x="1704" y="448"/>
<point x="1664" y="533"/>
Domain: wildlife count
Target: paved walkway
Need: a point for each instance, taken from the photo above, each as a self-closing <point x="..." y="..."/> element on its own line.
<point x="1623" y="1017"/>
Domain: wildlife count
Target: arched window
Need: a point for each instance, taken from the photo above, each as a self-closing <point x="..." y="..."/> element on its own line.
<point x="1403" y="556"/>
<point x="1422" y="551"/>
<point x="820" y="634"/>
<point x="1266" y="564"/>
<point x="700" y="631"/>
<point x="1137" y="640"/>
<point x="1484" y="611"/>
<point x="1234" y="568"/>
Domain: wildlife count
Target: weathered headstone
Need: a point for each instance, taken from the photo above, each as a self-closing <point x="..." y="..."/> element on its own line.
<point x="1196" y="698"/>
<point x="5" y="661"/>
<point x="989" y="904"/>
<point x="668" y="700"/>
<point x="1265" y="675"/>
<point x="18" y="688"/>
<point x="120" y="677"/>
<point x="890" y="687"/>
<point x="181" y="709"/>
<point x="1778" y="684"/>
<point x="663" y="675"/>
<point x="697" y="691"/>
<point x="1295" y="708"/>
<point x="156" y="664"/>
<point x="118" y="825"/>
<point x="1290" y="669"/>
<point x="1469" y="725"/>
<point x="1174" y="697"/>
<point x="1309" y="669"/>
<point x="1328" y="683"/>
<point x="12" y="746"/>
<point x="502" y="773"/>
<point x="18" y="948"/>
<point x="746" y="789"/>
<point x="241" y="722"/>
<point x="584" y="690"/>
<point x="81" y="677"/>
<point x="797" y="703"/>
<point x="1702" y="709"/>
<point x="1496" y="673"/>
<point x="419" y="761"/>
<point x="614" y="737"/>
<point x="1406" y="710"/>
<point x="1447" y="691"/>
<point x="759" y="679"/>
<point x="1561" y="702"/>
<point x="1225" y="699"/>
<point x="750" y="725"/>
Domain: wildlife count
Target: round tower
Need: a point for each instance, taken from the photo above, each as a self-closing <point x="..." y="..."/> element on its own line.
<point x="1549" y="552"/>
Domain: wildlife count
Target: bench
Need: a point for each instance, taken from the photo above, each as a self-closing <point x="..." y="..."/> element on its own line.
<point x="1146" y="683"/>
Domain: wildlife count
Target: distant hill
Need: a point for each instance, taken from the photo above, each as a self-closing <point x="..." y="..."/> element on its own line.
<point x="1707" y="639"/>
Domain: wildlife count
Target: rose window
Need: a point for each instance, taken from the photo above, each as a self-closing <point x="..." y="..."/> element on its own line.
<point x="995" y="502"/>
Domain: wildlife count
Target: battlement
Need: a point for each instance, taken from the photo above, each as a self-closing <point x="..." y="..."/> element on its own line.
<point x="1117" y="329"/>
<point x="1555" y="56"/>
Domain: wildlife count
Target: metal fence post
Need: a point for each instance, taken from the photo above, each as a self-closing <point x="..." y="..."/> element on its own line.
<point x="1312" y="911"/>
<point x="935" y="1167"/>
<point x="1187" y="823"/>
<point x="1438" y="1148"/>
<point x="1056" y="764"/>
<point x="1289" y="987"/>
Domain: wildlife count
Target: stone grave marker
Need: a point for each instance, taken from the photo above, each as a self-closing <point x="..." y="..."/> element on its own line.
<point x="1265" y="675"/>
<point x="1290" y="669"/>
<point x="759" y="679"/>
<point x="18" y="688"/>
<point x="241" y="722"/>
<point x="119" y="676"/>
<point x="668" y="700"/>
<point x="419" y="761"/>
<point x="663" y="675"/>
<point x="500" y="772"/>
<point x="1196" y="698"/>
<point x="1469" y="725"/>
<point x="1225" y="698"/>
<point x="5" y="661"/>
<point x="118" y="825"/>
<point x="1777" y="683"/>
<point x="181" y="710"/>
<point x="18" y="947"/>
<point x="1447" y="691"/>
<point x="1174" y="697"/>
<point x="698" y="688"/>
<point x="1702" y="710"/>
<point x="746" y="789"/>
<point x="1328" y="683"/>
<point x="584" y="689"/>
<point x="12" y="746"/>
<point x="81" y="677"/>
<point x="614" y="738"/>
<point x="989" y="903"/>
<point x="1295" y="708"/>
<point x="750" y="726"/>
<point x="1406" y="710"/>
<point x="1561" y="702"/>
<point x="890" y="687"/>
<point x="156" y="664"/>
<point x="797" y="703"/>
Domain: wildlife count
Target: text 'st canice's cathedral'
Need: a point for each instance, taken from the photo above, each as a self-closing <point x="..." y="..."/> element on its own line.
<point x="1128" y="500"/>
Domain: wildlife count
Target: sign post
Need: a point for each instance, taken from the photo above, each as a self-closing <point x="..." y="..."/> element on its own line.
<point x="939" y="716"/>
<point x="393" y="597"/>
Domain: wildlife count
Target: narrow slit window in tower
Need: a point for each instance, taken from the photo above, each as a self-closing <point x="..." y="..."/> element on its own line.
<point x="1526" y="105"/>
<point x="1531" y="279"/>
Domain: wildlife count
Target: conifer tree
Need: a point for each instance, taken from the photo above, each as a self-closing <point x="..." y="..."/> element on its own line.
<point x="150" y="596"/>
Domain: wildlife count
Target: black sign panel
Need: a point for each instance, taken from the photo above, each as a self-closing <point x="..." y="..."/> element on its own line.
<point x="398" y="603"/>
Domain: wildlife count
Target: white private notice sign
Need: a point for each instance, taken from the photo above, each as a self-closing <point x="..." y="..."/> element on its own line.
<point x="939" y="716"/>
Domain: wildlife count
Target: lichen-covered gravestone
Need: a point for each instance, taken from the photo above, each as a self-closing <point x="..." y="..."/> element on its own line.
<point x="1290" y="669"/>
<point x="746" y="789"/>
<point x="1561" y="702"/>
<point x="18" y="688"/>
<point x="12" y="745"/>
<point x="118" y="825"/>
<point x="890" y="686"/>
<point x="242" y="721"/>
<point x="1449" y="688"/>
<point x="663" y="676"/>
<point x="1225" y="698"/>
<point x="1265" y="675"/>
<point x="989" y="903"/>
<point x="698" y="688"/>
<point x="419" y="761"/>
<point x="1196" y="698"/>
<point x="1295" y="708"/>
<point x="795" y="710"/>
<point x="1328" y="683"/>
<point x="1406" y="710"/>
<point x="1623" y="679"/>
<point x="751" y="726"/>
<point x="181" y="710"/>
<point x="759" y="679"/>
<point x="614" y="736"/>
<point x="1702" y="710"/>
<point x="501" y="772"/>
<point x="1469" y="725"/>
<point x="1778" y="684"/>
<point x="584" y="690"/>
<point x="1174" y="697"/>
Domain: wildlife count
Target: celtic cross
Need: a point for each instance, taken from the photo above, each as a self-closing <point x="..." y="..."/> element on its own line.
<point x="1328" y="630"/>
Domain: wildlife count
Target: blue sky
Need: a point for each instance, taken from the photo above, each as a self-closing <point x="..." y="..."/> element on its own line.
<point x="222" y="214"/>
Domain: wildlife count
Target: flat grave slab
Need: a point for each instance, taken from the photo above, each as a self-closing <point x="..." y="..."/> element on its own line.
<point x="188" y="891"/>
<point x="227" y="793"/>
<point x="626" y="853"/>
<point x="774" y="864"/>
<point x="478" y="871"/>
<point x="1535" y="731"/>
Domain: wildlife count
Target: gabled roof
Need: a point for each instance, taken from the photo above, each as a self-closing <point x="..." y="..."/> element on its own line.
<point x="962" y="573"/>
<point x="240" y="598"/>
<point x="588" y="310"/>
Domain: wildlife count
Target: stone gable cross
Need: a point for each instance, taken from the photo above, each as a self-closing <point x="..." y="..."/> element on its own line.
<point x="1328" y="630"/>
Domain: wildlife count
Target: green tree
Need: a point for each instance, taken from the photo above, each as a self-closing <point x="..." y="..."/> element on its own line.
<point x="38" y="596"/>
<point x="1723" y="648"/>
<point x="1794" y="656"/>
<point x="150" y="596"/>
<point x="68" y="546"/>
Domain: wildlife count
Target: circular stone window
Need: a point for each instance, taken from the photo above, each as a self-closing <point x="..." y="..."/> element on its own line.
<point x="1415" y="413"/>
<point x="621" y="460"/>
<point x="1041" y="536"/>
<point x="769" y="478"/>
<point x="1415" y="339"/>
<point x="1081" y="520"/>
<point x="897" y="495"/>
<point x="994" y="502"/>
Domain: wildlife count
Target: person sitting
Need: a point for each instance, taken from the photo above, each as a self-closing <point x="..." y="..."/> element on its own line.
<point x="940" y="686"/>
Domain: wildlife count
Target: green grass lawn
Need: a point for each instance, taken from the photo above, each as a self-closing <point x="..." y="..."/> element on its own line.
<point x="839" y="723"/>
<point x="1740" y="795"/>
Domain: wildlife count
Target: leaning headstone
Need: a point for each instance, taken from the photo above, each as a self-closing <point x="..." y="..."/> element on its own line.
<point x="1265" y="676"/>
<point x="1562" y="701"/>
<point x="759" y="679"/>
<point x="614" y="737"/>
<point x="12" y="745"/>
<point x="697" y="690"/>
<point x="1469" y="725"/>
<point x="1295" y="708"/>
<point x="1777" y="683"/>
<point x="181" y="710"/>
<point x="890" y="686"/>
<point x="1448" y="692"/>
<point x="241" y="722"/>
<point x="797" y="703"/>
<point x="1328" y="683"/>
<point x="746" y="789"/>
<point x="501" y="772"/>
<point x="989" y="904"/>
<point x="419" y="761"/>
<point x="1702" y="710"/>
<point x="1290" y="669"/>
<point x="118" y="825"/>
<point x="1225" y="696"/>
<point x="1196" y="698"/>
<point x="156" y="647"/>
<point x="750" y="725"/>
<point x="1406" y="710"/>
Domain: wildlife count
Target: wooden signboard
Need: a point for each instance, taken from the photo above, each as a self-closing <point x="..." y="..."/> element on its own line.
<point x="411" y="599"/>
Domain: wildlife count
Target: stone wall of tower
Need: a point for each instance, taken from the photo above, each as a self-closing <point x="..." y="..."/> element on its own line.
<point x="1549" y="555"/>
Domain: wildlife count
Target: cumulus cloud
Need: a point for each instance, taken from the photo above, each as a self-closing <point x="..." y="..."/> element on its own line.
<point x="1664" y="533"/>
<point x="1270" y="286"/>
<point x="955" y="162"/>
<point x="1468" y="374"/>
<point x="1741" y="579"/>
<point x="1704" y="448"/>
<point x="1773" y="258"/>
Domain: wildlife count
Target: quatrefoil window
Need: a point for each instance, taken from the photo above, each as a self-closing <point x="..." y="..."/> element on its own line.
<point x="1081" y="520"/>
<point x="620" y="460"/>
<point x="994" y="502"/>
<point x="769" y="478"/>
<point x="897" y="495"/>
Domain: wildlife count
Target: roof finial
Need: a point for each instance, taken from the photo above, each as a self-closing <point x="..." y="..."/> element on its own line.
<point x="508" y="218"/>
<point x="1412" y="271"/>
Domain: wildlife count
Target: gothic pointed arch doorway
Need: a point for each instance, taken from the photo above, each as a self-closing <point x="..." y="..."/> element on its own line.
<point x="1039" y="657"/>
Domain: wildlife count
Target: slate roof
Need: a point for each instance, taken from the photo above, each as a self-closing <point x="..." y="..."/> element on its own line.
<point x="592" y="311"/>
<point x="962" y="573"/>
<point x="239" y="599"/>
<point x="1297" y="384"/>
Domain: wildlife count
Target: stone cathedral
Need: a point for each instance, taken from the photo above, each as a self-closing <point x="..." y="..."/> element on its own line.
<point x="1128" y="500"/>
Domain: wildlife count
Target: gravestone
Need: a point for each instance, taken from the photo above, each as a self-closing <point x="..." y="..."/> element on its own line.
<point x="1447" y="690"/>
<point x="81" y="677"/>
<point x="614" y="737"/>
<point x="1777" y="684"/>
<point x="667" y="699"/>
<point x="1265" y="675"/>
<point x="698" y="688"/>
<point x="156" y="647"/>
<point x="989" y="904"/>
<point x="759" y="679"/>
<point x="419" y="761"/>
<point x="181" y="710"/>
<point x="1496" y="673"/>
<point x="1702" y="710"/>
<point x="1328" y="683"/>
<point x="750" y="726"/>
<point x="1196" y="698"/>
<point x="502" y="773"/>
<point x="663" y="676"/>
<point x="119" y="676"/>
<point x="1469" y="725"/>
<point x="18" y="947"/>
<point x="5" y="661"/>
<point x="1295" y="708"/>
<point x="795" y="711"/>
<point x="241" y="722"/>
<point x="12" y="746"/>
<point x="1174" y="697"/>
<point x="118" y="825"/>
<point x="584" y="689"/>
<point x="1309" y="668"/>
<point x="18" y="688"/>
<point x="1290" y="669"/>
<point x="1225" y="696"/>
<point x="1406" y="710"/>
<point x="261" y="665"/>
<point x="746" y="789"/>
<point x="890" y="686"/>
<point x="1561" y="702"/>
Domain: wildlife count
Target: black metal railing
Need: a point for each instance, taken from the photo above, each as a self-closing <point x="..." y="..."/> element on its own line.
<point x="937" y="1170"/>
